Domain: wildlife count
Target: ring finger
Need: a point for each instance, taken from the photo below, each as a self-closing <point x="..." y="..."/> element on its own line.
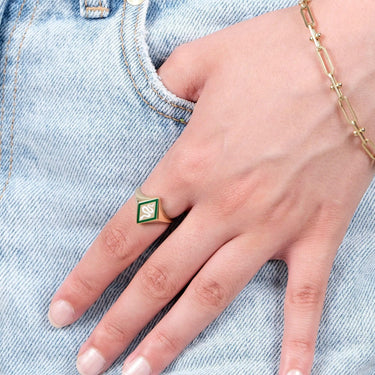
<point x="165" y="273"/>
<point x="210" y="292"/>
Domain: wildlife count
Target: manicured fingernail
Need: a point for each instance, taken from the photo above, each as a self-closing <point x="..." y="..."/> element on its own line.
<point x="139" y="366"/>
<point x="61" y="314"/>
<point x="294" y="372"/>
<point x="90" y="363"/>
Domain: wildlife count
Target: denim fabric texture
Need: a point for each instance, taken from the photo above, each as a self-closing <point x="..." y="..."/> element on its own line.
<point x="84" y="119"/>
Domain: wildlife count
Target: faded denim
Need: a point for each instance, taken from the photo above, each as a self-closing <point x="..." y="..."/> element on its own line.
<point x="84" y="120"/>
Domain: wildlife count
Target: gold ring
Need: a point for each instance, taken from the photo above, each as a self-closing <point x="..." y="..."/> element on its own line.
<point x="149" y="209"/>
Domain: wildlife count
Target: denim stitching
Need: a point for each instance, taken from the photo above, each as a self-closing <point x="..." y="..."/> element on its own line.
<point x="15" y="101"/>
<point x="94" y="9"/>
<point x="4" y="76"/>
<point x="145" y="72"/>
<point x="182" y="121"/>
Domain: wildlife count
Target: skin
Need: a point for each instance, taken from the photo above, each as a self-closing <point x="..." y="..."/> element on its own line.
<point x="266" y="130"/>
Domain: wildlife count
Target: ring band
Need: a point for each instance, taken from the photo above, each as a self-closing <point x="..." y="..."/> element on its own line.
<point x="149" y="209"/>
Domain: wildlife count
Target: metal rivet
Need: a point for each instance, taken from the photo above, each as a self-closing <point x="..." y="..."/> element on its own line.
<point x="135" y="2"/>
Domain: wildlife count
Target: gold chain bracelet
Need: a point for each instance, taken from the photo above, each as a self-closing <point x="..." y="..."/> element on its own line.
<point x="329" y="70"/>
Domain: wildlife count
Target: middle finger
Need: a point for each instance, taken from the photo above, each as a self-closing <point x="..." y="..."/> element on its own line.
<point x="165" y="273"/>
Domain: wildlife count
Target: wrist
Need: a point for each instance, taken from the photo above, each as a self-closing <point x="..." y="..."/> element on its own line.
<point x="349" y="36"/>
<point x="356" y="64"/>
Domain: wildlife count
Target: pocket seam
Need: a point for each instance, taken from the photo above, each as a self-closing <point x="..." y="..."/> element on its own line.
<point x="136" y="42"/>
<point x="15" y="91"/>
<point x="179" y="120"/>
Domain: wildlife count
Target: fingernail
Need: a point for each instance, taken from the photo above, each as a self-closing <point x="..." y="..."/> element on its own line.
<point x="139" y="366"/>
<point x="90" y="363"/>
<point x="61" y="314"/>
<point x="294" y="372"/>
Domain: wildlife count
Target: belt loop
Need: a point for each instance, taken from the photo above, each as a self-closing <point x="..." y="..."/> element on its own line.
<point x="94" y="8"/>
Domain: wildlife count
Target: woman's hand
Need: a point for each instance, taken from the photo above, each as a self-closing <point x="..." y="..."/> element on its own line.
<point x="267" y="168"/>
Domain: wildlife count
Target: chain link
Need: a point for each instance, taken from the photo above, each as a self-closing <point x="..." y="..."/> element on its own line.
<point x="329" y="70"/>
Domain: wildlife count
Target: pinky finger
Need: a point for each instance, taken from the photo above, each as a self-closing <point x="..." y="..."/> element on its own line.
<point x="304" y="300"/>
<point x="209" y="293"/>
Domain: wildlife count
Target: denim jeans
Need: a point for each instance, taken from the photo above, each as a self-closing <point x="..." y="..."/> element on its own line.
<point x="84" y="119"/>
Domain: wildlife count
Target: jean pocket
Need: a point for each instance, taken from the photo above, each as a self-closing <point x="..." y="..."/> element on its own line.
<point x="140" y="69"/>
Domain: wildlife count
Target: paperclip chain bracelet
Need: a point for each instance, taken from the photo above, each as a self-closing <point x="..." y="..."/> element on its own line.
<point x="329" y="70"/>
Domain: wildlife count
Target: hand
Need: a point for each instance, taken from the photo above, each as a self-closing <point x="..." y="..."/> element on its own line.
<point x="267" y="169"/>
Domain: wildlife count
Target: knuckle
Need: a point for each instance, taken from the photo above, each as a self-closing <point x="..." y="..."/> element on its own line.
<point x="181" y="56"/>
<point x="190" y="165"/>
<point x="328" y="218"/>
<point x="181" y="62"/>
<point x="301" y="346"/>
<point x="156" y="283"/>
<point x="115" y="243"/>
<point x="211" y="294"/>
<point x="306" y="295"/>
<point x="180" y="53"/>
<point x="166" y="342"/>
<point x="82" y="286"/>
<point x="183" y="50"/>
<point x="235" y="198"/>
<point x="115" y="332"/>
<point x="231" y="200"/>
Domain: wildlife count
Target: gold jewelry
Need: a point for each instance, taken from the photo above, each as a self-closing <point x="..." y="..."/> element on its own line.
<point x="329" y="70"/>
<point x="149" y="209"/>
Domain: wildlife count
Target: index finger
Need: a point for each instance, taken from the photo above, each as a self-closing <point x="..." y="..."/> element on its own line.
<point x="121" y="241"/>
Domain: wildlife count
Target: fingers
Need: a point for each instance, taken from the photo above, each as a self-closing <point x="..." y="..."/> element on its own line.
<point x="165" y="273"/>
<point x="121" y="241"/>
<point x="209" y="293"/>
<point x="116" y="247"/>
<point x="309" y="267"/>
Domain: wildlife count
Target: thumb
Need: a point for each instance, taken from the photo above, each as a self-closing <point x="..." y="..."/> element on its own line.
<point x="184" y="72"/>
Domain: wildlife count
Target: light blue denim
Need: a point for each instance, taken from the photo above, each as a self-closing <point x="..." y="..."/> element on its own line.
<point x="84" y="120"/>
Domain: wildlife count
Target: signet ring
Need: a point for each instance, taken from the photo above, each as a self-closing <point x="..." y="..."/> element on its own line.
<point x="149" y="209"/>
